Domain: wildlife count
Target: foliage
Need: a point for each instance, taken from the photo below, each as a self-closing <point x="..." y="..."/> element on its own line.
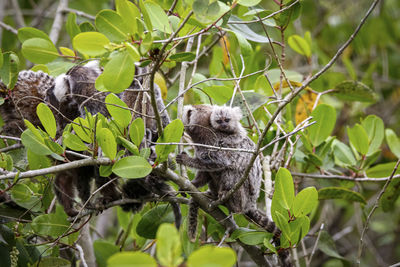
<point x="325" y="155"/>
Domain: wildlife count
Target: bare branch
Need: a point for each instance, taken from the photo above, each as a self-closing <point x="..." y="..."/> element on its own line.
<point x="78" y="13"/>
<point x="376" y="205"/>
<point x="58" y="168"/>
<point x="58" y="21"/>
<point x="8" y="27"/>
<point x="341" y="177"/>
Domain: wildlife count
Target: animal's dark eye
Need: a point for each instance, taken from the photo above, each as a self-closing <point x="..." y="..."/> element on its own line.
<point x="219" y="121"/>
<point x="227" y="120"/>
<point x="189" y="113"/>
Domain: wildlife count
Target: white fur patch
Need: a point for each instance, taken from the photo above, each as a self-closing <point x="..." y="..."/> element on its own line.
<point x="95" y="65"/>
<point x="61" y="87"/>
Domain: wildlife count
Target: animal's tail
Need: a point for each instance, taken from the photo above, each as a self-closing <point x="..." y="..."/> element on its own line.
<point x="259" y="218"/>
<point x="192" y="220"/>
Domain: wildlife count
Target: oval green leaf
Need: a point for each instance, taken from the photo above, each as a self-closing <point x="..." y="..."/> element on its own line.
<point x="343" y="155"/>
<point x="358" y="138"/>
<point x="284" y="188"/>
<point x="169" y="247"/>
<point x="159" y="19"/>
<point x="112" y="25"/>
<point x="171" y="134"/>
<point x="129" y="12"/>
<point x="132" y="167"/>
<point x="107" y="142"/>
<point x="119" y="72"/>
<point x="381" y="170"/>
<point x="9" y="69"/>
<point x="128" y="145"/>
<point x="220" y="93"/>
<point x="325" y="117"/>
<point x="183" y="56"/>
<point x="124" y="259"/>
<point x="393" y="142"/>
<point x="300" y="45"/>
<point x="136" y="131"/>
<point x="90" y="43"/>
<point x="27" y="33"/>
<point x="212" y="256"/>
<point x="73" y="142"/>
<point x="151" y="220"/>
<point x="355" y="91"/>
<point x="71" y="26"/>
<point x="133" y="52"/>
<point x="305" y="201"/>
<point x="39" y="50"/>
<point x="30" y="141"/>
<point x="118" y="110"/>
<point x="340" y="193"/>
<point x="374" y="127"/>
<point x="47" y="119"/>
<point x="248" y="2"/>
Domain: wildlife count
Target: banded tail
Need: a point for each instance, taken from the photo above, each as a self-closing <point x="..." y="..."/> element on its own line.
<point x="192" y="220"/>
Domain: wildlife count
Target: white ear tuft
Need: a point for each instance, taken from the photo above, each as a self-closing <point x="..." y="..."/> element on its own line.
<point x="186" y="114"/>
<point x="238" y="113"/>
<point x="61" y="86"/>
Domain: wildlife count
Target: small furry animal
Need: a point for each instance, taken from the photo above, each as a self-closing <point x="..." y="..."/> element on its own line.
<point x="221" y="169"/>
<point x="75" y="91"/>
<point x="20" y="102"/>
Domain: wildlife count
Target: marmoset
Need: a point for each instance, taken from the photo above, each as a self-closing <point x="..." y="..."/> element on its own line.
<point x="222" y="169"/>
<point x="20" y="102"/>
<point x="72" y="94"/>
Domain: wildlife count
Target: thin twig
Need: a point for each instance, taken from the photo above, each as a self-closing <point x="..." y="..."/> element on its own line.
<point x="8" y="27"/>
<point x="376" y="205"/>
<point x="342" y="177"/>
<point x="78" y="13"/>
<point x="316" y="243"/>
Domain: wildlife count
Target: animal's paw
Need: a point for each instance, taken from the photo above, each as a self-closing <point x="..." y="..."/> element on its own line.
<point x="181" y="158"/>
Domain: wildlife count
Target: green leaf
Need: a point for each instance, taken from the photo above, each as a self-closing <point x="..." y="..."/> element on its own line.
<point x="86" y="26"/>
<point x="146" y="17"/>
<point x="71" y="26"/>
<point x="124" y="259"/>
<point x="30" y="141"/>
<point x="39" y="50"/>
<point x="151" y="220"/>
<point x="305" y="201"/>
<point x="393" y="142"/>
<point x="119" y="72"/>
<point x="248" y="2"/>
<point x="390" y="196"/>
<point x="169" y="247"/>
<point x="103" y="250"/>
<point x="343" y="155"/>
<point x="111" y="24"/>
<point x="9" y="70"/>
<point x="90" y="43"/>
<point x="25" y="197"/>
<point x="53" y="224"/>
<point x="159" y="19"/>
<point x="355" y="91"/>
<point x="299" y="229"/>
<point x="283" y="225"/>
<point x="381" y="170"/>
<point x="132" y="167"/>
<point x="220" y="93"/>
<point x="327" y="245"/>
<point x="26" y="33"/>
<point x="284" y="188"/>
<point x="374" y="127"/>
<point x="136" y="131"/>
<point x="325" y="117"/>
<point x="340" y="193"/>
<point x="183" y="56"/>
<point x="129" y="145"/>
<point x="82" y="130"/>
<point x="107" y="142"/>
<point x="300" y="45"/>
<point x="40" y="67"/>
<point x="129" y="12"/>
<point x="250" y="237"/>
<point x="118" y="110"/>
<point x="171" y="134"/>
<point x="268" y="245"/>
<point x="73" y="142"/>
<point x="212" y="256"/>
<point x="358" y="138"/>
<point x="246" y="32"/>
<point x="133" y="52"/>
<point x="47" y="119"/>
<point x="245" y="46"/>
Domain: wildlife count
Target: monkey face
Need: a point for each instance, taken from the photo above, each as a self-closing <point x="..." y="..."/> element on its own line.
<point x="226" y="119"/>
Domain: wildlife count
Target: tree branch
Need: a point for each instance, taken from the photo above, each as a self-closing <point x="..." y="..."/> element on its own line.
<point x="8" y="27"/>
<point x="376" y="205"/>
<point x="58" y="21"/>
